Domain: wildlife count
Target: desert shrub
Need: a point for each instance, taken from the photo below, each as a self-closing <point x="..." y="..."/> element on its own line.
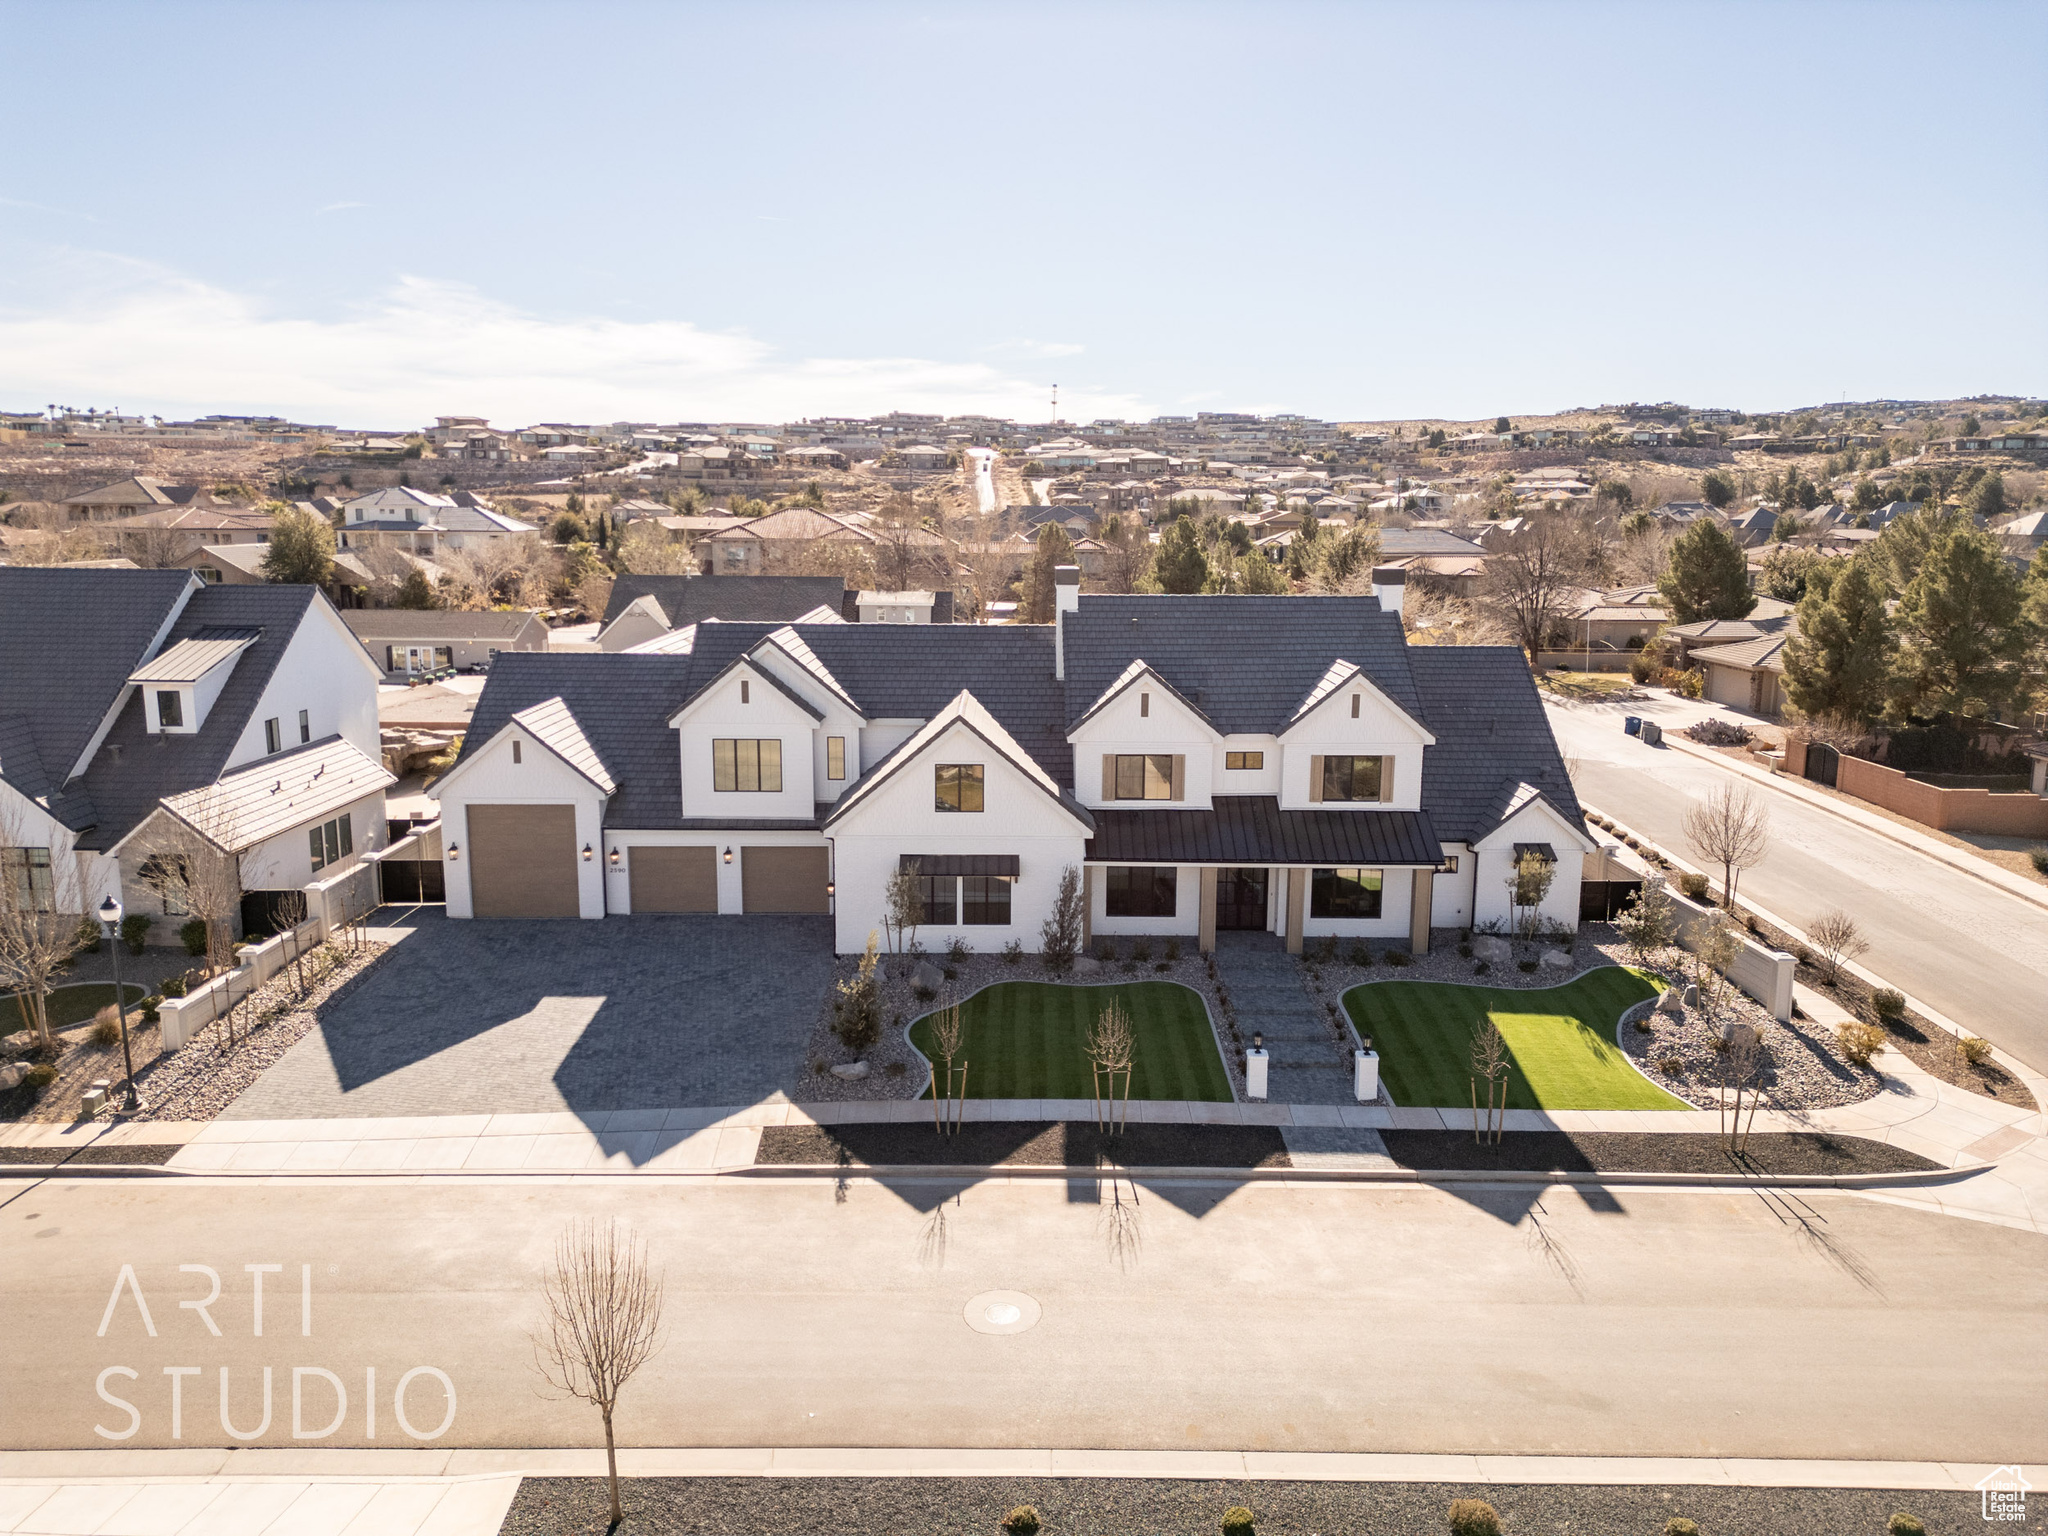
<point x="1141" y="950"/>
<point x="106" y="1025"/>
<point x="1528" y="967"/>
<point x="1021" y="1521"/>
<point x="1641" y="669"/>
<point x="1361" y="952"/>
<point x="1693" y="886"/>
<point x="1013" y="952"/>
<point x="135" y="930"/>
<point x="1860" y="1041"/>
<point x="1678" y="1525"/>
<point x="924" y="994"/>
<point x="957" y="951"/>
<point x="1480" y="968"/>
<point x="1472" y="1517"/>
<point x="857" y="1003"/>
<point x="1888" y="1005"/>
<point x="1691" y="684"/>
<point x="1397" y="957"/>
<point x="818" y="1067"/>
<point x="1671" y="1066"/>
<point x="895" y="1069"/>
<point x="149" y="1009"/>
<point x="193" y="936"/>
<point x="174" y="986"/>
<point x="2039" y="856"/>
<point x="1719" y="733"/>
<point x="1647" y="1024"/>
<point x="1465" y="950"/>
<point x="1975" y="1051"/>
<point x="1903" y="1524"/>
<point x="1237" y="1521"/>
<point x="1172" y="950"/>
<point x="40" y="1076"/>
<point x="1105" y="951"/>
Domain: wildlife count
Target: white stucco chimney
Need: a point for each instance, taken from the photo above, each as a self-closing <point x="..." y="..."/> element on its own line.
<point x="1066" y="599"/>
<point x="1389" y="583"/>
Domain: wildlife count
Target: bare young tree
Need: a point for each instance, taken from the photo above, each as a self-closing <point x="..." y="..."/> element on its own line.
<point x="1839" y="941"/>
<point x="949" y="1100"/>
<point x="1731" y="828"/>
<point x="601" y="1323"/>
<point x="192" y="858"/>
<point x="1112" y="1049"/>
<point x="1716" y="945"/>
<point x="289" y="908"/>
<point x="903" y="905"/>
<point x="647" y="550"/>
<point x="1742" y="1068"/>
<point x="1648" y="922"/>
<point x="1489" y="1056"/>
<point x="41" y="905"/>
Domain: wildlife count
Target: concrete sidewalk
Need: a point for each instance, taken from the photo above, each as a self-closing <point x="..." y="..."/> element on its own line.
<point x="97" y="1500"/>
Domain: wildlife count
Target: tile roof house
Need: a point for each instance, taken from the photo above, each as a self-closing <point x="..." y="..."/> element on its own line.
<point x="139" y="702"/>
<point x="407" y="641"/>
<point x="424" y="523"/>
<point x="1748" y="674"/>
<point x="1280" y="764"/>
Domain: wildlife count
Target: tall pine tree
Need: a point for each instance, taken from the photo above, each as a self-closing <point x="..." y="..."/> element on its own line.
<point x="1708" y="577"/>
<point x="1961" y="620"/>
<point x="1841" y="660"/>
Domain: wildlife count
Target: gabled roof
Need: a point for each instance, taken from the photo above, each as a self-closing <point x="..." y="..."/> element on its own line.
<point x="276" y="794"/>
<point x="1340" y="675"/>
<point x="750" y="664"/>
<point x="371" y="624"/>
<point x="189" y="660"/>
<point x="1491" y="736"/>
<point x="792" y="645"/>
<point x="554" y="726"/>
<point x="647" y="606"/>
<point x="1137" y="670"/>
<point x="677" y="642"/>
<point x="689" y="600"/>
<point x="1765" y="653"/>
<point x="964" y="710"/>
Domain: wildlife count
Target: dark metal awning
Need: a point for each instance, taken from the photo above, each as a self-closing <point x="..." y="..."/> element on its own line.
<point x="963" y="863"/>
<point x="1252" y="829"/>
<point x="1542" y="851"/>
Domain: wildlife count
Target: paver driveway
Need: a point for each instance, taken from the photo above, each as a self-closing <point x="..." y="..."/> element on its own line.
<point x="511" y="1017"/>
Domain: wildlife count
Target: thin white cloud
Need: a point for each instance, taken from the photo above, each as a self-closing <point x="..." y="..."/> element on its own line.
<point x="338" y="207"/>
<point x="155" y="340"/>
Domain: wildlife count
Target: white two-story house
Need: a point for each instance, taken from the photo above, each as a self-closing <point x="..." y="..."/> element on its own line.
<point x="1288" y="765"/>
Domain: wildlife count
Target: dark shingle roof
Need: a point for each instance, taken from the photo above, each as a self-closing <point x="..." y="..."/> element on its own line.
<point x="68" y="641"/>
<point x="125" y="787"/>
<point x="1247" y="662"/>
<point x="1491" y="734"/>
<point x="1252" y="829"/>
<point x="739" y="599"/>
<point x="387" y="624"/>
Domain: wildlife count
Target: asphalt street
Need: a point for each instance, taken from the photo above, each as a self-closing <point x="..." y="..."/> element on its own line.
<point x="1312" y="1317"/>
<point x="1967" y="948"/>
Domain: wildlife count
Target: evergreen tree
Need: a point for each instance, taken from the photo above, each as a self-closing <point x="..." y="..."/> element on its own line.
<point x="1987" y="498"/>
<point x="1841" y="660"/>
<point x="1788" y="570"/>
<point x="1054" y="549"/>
<point x="1181" y="565"/>
<point x="1257" y="576"/>
<point x="1907" y="541"/>
<point x="1708" y="577"/>
<point x="416" y="592"/>
<point x="1960" y="619"/>
<point x="1718" y="487"/>
<point x="301" y="548"/>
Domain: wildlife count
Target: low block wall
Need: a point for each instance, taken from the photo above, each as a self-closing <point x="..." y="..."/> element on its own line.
<point x="183" y="1017"/>
<point x="1764" y="973"/>
<point x="1581" y="661"/>
<point x="2005" y="813"/>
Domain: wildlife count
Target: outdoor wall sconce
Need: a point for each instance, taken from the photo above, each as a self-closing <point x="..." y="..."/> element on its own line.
<point x="728" y="855"/>
<point x="586" y="853"/>
<point x="614" y="858"/>
<point x="455" y="853"/>
<point x="830" y="889"/>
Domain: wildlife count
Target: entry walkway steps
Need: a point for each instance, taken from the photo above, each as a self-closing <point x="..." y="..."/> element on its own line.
<point x="1305" y="1064"/>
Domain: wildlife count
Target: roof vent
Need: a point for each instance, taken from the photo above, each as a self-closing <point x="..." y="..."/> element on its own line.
<point x="113" y="751"/>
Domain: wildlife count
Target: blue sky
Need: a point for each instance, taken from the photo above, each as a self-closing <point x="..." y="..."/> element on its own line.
<point x="369" y="214"/>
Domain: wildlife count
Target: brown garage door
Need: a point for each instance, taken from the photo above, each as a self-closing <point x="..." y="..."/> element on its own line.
<point x="522" y="860"/>
<point x="784" y="879"/>
<point x="673" y="879"/>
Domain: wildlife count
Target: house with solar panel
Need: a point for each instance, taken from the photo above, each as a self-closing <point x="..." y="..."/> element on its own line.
<point x="1280" y="764"/>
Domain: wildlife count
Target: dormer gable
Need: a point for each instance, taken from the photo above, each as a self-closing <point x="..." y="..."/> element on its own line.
<point x="545" y="732"/>
<point x="1528" y="815"/>
<point x="1140" y="693"/>
<point x="180" y="685"/>
<point x="1347" y="692"/>
<point x="785" y="654"/>
<point x="745" y="680"/>
<point x="964" y="714"/>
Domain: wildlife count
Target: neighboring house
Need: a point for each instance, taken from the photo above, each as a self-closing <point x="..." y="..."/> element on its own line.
<point x="2026" y="534"/>
<point x="1624" y="619"/>
<point x="241" y="565"/>
<point x="177" y="531"/>
<point x="1275" y="764"/>
<point x="1769" y="617"/>
<point x="246" y="714"/>
<point x="923" y="457"/>
<point x="758" y="544"/>
<point x="127" y="498"/>
<point x="904" y="607"/>
<point x="1747" y="675"/>
<point x="639" y="603"/>
<point x="422" y="523"/>
<point x="412" y="640"/>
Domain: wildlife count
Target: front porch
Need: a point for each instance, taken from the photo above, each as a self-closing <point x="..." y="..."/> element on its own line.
<point x="1292" y="902"/>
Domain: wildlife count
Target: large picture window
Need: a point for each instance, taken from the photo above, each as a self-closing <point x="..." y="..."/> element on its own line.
<point x="27" y="872"/>
<point x="747" y="767"/>
<point x="985" y="900"/>
<point x="957" y="786"/>
<point x="1139" y="890"/>
<point x="1356" y="778"/>
<point x="1146" y="776"/>
<point x="940" y="899"/>
<point x="1344" y="893"/>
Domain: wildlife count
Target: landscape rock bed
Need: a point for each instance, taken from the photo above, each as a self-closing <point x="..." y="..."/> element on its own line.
<point x="975" y="1506"/>
<point x="1766" y="1153"/>
<point x="1025" y="1144"/>
<point x="897" y="1071"/>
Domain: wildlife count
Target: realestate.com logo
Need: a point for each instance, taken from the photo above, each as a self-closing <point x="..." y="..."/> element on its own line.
<point x="318" y="1394"/>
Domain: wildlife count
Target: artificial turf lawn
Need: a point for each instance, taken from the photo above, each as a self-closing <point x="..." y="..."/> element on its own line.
<point x="70" y="1005"/>
<point x="1561" y="1042"/>
<point x="1024" y="1040"/>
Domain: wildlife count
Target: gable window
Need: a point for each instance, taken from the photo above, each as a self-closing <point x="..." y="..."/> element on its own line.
<point x="957" y="786"/>
<point x="1354" y="706"/>
<point x="747" y="767"/>
<point x="1356" y="778"/>
<point x="1244" y="760"/>
<point x="331" y="842"/>
<point x="305" y="726"/>
<point x="835" y="757"/>
<point x="170" y="709"/>
<point x="1344" y="893"/>
<point x="1139" y="890"/>
<point x="27" y="872"/>
<point x="1145" y="776"/>
<point x="273" y="735"/>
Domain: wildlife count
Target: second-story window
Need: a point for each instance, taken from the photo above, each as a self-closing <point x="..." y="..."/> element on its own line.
<point x="170" y="710"/>
<point x="1356" y="778"/>
<point x="957" y="787"/>
<point x="1145" y="776"/>
<point x="305" y="726"/>
<point x="747" y="767"/>
<point x="1239" y="761"/>
<point x="835" y="757"/>
<point x="273" y="735"/>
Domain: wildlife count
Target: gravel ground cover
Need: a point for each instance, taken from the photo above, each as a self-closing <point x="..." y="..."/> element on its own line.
<point x="155" y="1156"/>
<point x="959" y="1506"/>
<point x="1027" y="1143"/>
<point x="1561" y="1040"/>
<point x="1775" y="1152"/>
<point x="1027" y="1040"/>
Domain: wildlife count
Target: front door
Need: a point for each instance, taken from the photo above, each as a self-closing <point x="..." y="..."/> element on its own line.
<point x="1241" y="900"/>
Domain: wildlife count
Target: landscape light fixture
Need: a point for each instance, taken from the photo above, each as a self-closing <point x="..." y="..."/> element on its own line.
<point x="110" y="915"/>
<point x="1258" y="1040"/>
<point x="728" y="855"/>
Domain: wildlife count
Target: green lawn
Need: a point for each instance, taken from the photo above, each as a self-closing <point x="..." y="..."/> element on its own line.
<point x="1023" y="1040"/>
<point x="70" y="1005"/>
<point x="1561" y="1041"/>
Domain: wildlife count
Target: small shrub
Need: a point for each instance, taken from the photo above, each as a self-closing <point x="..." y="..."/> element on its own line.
<point x="818" y="1067"/>
<point x="1860" y="1042"/>
<point x="957" y="951"/>
<point x="1162" y="965"/>
<point x="1013" y="952"/>
<point x="1646" y="1025"/>
<point x="1237" y="1521"/>
<point x="135" y="930"/>
<point x="106" y="1026"/>
<point x="1903" y="1524"/>
<point x="924" y="994"/>
<point x="1472" y="1517"/>
<point x="1105" y="951"/>
<point x="89" y="935"/>
<point x="1480" y="968"/>
<point x="1141" y="950"/>
<point x="174" y="986"/>
<point x="1802" y="954"/>
<point x="193" y="936"/>
<point x="1465" y="950"/>
<point x="1361" y="953"/>
<point x="1678" y="1525"/>
<point x="1330" y="948"/>
<point x="1172" y="951"/>
<point x="1693" y="886"/>
<point x="1527" y="966"/>
<point x="2039" y="856"/>
<point x="1719" y="733"/>
<point x="149" y="1009"/>
<point x="1975" y="1051"/>
<point x="40" y="1076"/>
<point x="1671" y="1066"/>
<point x="1397" y="957"/>
<point x="1888" y="1005"/>
<point x="1641" y="669"/>
<point x="895" y="1069"/>
<point x="1021" y="1521"/>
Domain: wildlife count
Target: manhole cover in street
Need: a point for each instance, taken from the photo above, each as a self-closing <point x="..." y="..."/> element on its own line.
<point x="1001" y="1312"/>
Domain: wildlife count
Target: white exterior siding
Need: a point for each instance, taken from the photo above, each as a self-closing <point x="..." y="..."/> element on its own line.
<point x="1451" y="899"/>
<point x="1125" y="727"/>
<point x="285" y="862"/>
<point x="326" y="672"/>
<point x="1397" y="894"/>
<point x="1379" y="731"/>
<point x="767" y="714"/>
<point x="1187" y="906"/>
<point x="1494" y="858"/>
<point x="491" y="777"/>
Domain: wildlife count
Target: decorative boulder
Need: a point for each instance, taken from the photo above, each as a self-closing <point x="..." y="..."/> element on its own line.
<point x="1493" y="948"/>
<point x="1556" y="960"/>
<point x="928" y="976"/>
<point x="852" y="1071"/>
<point x="1692" y="995"/>
<point x="11" y="1075"/>
<point x="1671" y="1002"/>
<point x="20" y="1040"/>
<point x="1087" y="965"/>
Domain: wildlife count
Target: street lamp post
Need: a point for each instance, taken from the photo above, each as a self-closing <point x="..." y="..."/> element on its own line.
<point x="110" y="918"/>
